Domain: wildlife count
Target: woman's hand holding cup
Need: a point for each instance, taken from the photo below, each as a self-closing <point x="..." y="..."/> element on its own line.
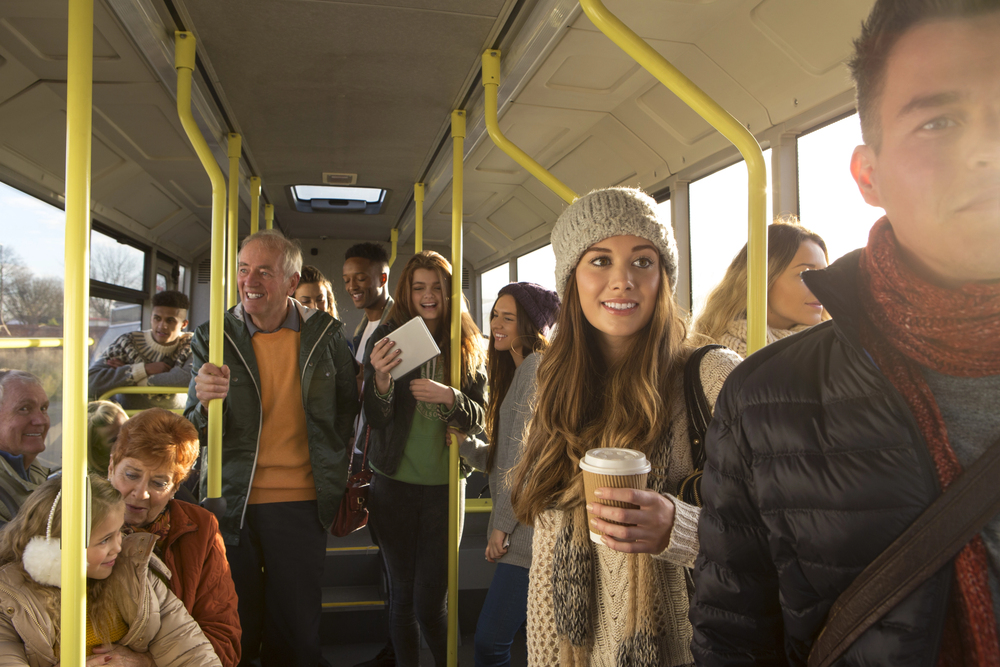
<point x="651" y="523"/>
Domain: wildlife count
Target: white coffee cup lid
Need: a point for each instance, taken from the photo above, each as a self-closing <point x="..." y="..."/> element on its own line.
<point x="615" y="461"/>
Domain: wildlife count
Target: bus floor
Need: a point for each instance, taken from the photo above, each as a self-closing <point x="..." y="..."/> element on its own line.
<point x="346" y="656"/>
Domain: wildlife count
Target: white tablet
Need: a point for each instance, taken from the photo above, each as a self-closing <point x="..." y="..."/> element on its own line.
<point x="416" y="346"/>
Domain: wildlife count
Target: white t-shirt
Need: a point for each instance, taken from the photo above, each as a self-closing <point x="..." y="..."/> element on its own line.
<point x="359" y="354"/>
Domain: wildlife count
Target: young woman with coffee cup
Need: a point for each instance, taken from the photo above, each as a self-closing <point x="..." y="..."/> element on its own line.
<point x="612" y="378"/>
<point x="409" y="417"/>
<point x="520" y="322"/>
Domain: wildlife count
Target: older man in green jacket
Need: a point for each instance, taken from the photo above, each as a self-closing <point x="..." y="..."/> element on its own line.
<point x="290" y="401"/>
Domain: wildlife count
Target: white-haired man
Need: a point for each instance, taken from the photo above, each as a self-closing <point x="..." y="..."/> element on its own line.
<point x="290" y="402"/>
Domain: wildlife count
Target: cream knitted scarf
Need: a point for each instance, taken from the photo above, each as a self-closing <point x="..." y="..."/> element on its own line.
<point x="572" y="592"/>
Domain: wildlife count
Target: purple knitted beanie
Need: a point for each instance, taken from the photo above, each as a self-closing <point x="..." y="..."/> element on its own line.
<point x="541" y="305"/>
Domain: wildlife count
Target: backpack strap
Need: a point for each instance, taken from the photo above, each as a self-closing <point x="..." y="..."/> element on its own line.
<point x="699" y="414"/>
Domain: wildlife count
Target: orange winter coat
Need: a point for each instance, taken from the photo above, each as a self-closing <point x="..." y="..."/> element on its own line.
<point x="196" y="556"/>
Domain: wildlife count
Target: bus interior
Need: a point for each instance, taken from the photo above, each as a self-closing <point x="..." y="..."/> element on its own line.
<point x="359" y="94"/>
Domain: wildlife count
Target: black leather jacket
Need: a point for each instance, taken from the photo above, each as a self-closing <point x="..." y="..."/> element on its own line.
<point x="390" y="418"/>
<point x="815" y="465"/>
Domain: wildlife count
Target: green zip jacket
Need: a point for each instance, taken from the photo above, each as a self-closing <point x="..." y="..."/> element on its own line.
<point x="329" y="395"/>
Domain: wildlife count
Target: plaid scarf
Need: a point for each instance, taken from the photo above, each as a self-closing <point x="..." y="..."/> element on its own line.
<point x="956" y="332"/>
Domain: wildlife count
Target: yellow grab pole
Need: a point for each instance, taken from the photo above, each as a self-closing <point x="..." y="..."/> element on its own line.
<point x="418" y="202"/>
<point x="79" y="132"/>
<point x="17" y="343"/>
<point x="733" y="130"/>
<point x="254" y="204"/>
<point x="394" y="242"/>
<point x="491" y="83"/>
<point x="269" y="215"/>
<point x="455" y="355"/>
<point x="184" y="54"/>
<point x="232" y="234"/>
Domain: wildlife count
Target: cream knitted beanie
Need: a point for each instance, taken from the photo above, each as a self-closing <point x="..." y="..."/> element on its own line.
<point x="603" y="214"/>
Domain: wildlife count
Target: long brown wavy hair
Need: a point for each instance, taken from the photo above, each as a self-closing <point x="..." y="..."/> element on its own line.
<point x="500" y="369"/>
<point x="583" y="403"/>
<point x="402" y="312"/>
<point x="728" y="300"/>
<point x="103" y="595"/>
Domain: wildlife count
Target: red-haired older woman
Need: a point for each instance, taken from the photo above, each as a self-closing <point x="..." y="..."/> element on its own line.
<point x="154" y="453"/>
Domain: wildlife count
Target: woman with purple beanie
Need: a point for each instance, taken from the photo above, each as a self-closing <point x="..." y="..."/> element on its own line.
<point x="520" y="322"/>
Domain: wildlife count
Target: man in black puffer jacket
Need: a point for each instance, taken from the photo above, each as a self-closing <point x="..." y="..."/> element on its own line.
<point x="827" y="445"/>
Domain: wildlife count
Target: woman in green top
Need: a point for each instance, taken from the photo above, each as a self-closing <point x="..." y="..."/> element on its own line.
<point x="409" y="418"/>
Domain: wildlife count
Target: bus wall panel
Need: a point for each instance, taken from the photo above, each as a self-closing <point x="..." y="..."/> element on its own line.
<point x="14" y="76"/>
<point x="34" y="31"/>
<point x="580" y="57"/>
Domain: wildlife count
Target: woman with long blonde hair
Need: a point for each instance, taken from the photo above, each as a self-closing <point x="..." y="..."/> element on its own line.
<point x="612" y="378"/>
<point x="791" y="307"/>
<point x="132" y="619"/>
<point x="409" y="418"/>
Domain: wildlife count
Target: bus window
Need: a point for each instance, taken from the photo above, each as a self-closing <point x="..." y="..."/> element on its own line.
<point x="116" y="263"/>
<point x="490" y="283"/>
<point x="829" y="201"/>
<point x="31" y="296"/>
<point x="719" y="225"/>
<point x="538" y="266"/>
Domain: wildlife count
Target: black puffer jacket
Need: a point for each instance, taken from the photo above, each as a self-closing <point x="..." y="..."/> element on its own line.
<point x="815" y="465"/>
<point x="391" y="417"/>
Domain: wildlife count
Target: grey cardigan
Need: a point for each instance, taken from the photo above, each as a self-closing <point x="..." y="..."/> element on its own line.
<point x="515" y="413"/>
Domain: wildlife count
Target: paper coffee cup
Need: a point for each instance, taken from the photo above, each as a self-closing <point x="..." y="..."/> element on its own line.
<point x="614" y="468"/>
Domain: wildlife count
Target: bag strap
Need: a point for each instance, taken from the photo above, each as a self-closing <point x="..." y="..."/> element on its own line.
<point x="364" y="451"/>
<point x="937" y="535"/>
<point x="699" y="412"/>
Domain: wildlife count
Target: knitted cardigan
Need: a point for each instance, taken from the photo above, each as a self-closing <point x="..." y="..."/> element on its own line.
<point x="515" y="413"/>
<point x="610" y="588"/>
<point x="735" y="337"/>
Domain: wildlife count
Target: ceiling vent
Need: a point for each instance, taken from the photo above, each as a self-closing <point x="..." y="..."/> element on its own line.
<point x="336" y="199"/>
<point x="466" y="282"/>
<point x="205" y="271"/>
<point x="331" y="178"/>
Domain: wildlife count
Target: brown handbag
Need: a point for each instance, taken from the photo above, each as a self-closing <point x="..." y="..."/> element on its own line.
<point x="352" y="514"/>
<point x="937" y="535"/>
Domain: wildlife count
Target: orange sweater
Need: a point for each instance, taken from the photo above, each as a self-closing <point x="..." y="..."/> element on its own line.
<point x="284" y="472"/>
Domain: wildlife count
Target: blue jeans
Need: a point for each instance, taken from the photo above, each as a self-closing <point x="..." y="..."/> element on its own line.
<point x="504" y="612"/>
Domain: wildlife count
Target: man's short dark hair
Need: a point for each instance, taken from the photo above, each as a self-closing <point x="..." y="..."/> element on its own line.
<point x="887" y="22"/>
<point x="172" y="299"/>
<point x="373" y="252"/>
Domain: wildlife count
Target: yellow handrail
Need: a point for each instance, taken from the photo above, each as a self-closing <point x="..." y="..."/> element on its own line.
<point x="254" y="204"/>
<point x="454" y="520"/>
<point x="132" y="389"/>
<point x="79" y="133"/>
<point x="17" y="343"/>
<point x="418" y="207"/>
<point x="184" y="55"/>
<point x="491" y="82"/>
<point x="394" y="240"/>
<point x="233" y="208"/>
<point x="269" y="216"/>
<point x="478" y="505"/>
<point x="732" y="129"/>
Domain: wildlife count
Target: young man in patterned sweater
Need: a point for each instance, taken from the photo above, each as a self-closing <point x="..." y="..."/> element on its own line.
<point x="159" y="356"/>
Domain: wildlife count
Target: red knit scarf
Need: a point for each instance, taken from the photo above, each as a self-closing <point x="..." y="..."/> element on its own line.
<point x="955" y="332"/>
